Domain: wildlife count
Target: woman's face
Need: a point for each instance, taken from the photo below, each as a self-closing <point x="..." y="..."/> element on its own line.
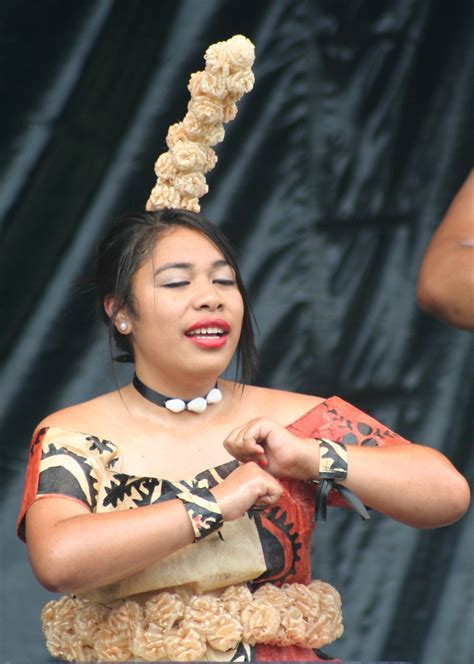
<point x="189" y="309"/>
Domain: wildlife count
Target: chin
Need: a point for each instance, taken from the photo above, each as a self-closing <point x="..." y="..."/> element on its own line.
<point x="212" y="368"/>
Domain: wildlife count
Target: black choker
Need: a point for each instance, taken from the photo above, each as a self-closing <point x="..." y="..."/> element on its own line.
<point x="197" y="405"/>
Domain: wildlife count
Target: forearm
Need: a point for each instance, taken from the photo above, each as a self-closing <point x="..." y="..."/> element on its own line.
<point x="85" y="551"/>
<point x="410" y="483"/>
<point x="413" y="484"/>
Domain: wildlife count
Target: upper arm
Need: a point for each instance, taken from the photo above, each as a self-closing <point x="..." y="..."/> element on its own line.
<point x="67" y="465"/>
<point x="44" y="514"/>
<point x="41" y="520"/>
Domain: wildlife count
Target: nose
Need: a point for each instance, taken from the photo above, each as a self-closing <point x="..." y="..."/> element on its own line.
<point x="208" y="297"/>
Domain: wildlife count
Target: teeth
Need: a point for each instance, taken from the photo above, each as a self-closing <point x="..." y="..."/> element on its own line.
<point x="206" y="331"/>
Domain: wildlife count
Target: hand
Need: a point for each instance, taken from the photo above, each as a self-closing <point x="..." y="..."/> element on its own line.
<point x="246" y="486"/>
<point x="274" y="448"/>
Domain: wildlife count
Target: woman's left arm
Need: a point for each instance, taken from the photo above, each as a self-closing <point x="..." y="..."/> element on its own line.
<point x="413" y="484"/>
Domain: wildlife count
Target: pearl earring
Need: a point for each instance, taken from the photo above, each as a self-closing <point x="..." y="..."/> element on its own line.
<point x="123" y="326"/>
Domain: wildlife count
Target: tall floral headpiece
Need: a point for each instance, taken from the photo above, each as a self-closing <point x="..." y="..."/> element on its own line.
<point x="214" y="94"/>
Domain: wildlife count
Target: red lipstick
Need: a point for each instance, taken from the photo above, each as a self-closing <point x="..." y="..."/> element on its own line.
<point x="208" y="333"/>
<point x="208" y="323"/>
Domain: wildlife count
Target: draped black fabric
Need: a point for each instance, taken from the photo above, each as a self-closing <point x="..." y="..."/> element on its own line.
<point x="340" y="164"/>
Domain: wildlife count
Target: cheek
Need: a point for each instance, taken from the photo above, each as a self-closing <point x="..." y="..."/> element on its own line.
<point x="239" y="309"/>
<point x="154" y="319"/>
<point x="163" y="305"/>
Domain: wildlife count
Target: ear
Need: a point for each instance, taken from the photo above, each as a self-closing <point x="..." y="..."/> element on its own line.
<point x="122" y="320"/>
<point x="108" y="304"/>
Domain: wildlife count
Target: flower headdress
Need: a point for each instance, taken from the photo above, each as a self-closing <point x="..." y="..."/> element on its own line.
<point x="214" y="93"/>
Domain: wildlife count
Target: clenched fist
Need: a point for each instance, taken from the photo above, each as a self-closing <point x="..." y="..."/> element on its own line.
<point x="274" y="448"/>
<point x="246" y="486"/>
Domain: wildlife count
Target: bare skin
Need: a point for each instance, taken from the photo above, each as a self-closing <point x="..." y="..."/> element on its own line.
<point x="445" y="285"/>
<point x="411" y="483"/>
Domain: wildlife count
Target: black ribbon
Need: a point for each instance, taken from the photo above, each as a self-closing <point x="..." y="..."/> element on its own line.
<point x="324" y="487"/>
<point x="152" y="395"/>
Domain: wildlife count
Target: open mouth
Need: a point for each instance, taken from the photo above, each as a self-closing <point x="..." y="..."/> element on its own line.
<point x="207" y="333"/>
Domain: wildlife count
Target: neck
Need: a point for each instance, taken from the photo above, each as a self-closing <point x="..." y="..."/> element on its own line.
<point x="188" y="388"/>
<point x="177" y="404"/>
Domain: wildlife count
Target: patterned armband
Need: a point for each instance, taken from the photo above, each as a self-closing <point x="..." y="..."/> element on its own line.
<point x="203" y="511"/>
<point x="332" y="460"/>
<point x="333" y="468"/>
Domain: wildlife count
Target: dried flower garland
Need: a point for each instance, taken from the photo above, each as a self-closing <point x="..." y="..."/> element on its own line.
<point x="183" y="627"/>
<point x="214" y="92"/>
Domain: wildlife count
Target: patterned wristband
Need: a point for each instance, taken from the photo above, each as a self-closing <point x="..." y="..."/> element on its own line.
<point x="203" y="510"/>
<point x="333" y="467"/>
<point x="332" y="460"/>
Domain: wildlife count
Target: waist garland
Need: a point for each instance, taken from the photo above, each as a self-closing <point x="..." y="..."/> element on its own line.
<point x="177" y="625"/>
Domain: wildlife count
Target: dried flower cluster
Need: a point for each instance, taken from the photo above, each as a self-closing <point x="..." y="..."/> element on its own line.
<point x="214" y="92"/>
<point x="182" y="627"/>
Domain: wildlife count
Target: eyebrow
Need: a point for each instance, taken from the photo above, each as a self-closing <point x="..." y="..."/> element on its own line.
<point x="187" y="266"/>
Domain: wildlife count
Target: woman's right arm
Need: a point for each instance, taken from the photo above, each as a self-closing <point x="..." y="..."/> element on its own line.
<point x="74" y="550"/>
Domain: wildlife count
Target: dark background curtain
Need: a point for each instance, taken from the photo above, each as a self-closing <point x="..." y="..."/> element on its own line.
<point x="330" y="182"/>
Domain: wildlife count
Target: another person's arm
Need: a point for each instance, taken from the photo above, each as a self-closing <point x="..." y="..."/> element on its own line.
<point x="445" y="285"/>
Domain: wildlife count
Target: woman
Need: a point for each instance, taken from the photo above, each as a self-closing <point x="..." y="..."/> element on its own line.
<point x="253" y="459"/>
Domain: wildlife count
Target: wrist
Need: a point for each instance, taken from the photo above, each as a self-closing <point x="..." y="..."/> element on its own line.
<point x="328" y="460"/>
<point x="332" y="460"/>
<point x="222" y="503"/>
<point x="202" y="509"/>
<point x="332" y="470"/>
<point x="311" y="460"/>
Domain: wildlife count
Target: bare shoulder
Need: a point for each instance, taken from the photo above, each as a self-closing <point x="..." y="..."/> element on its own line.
<point x="86" y="417"/>
<point x="280" y="405"/>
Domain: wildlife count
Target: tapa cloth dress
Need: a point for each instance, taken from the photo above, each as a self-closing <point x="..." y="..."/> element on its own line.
<point x="269" y="546"/>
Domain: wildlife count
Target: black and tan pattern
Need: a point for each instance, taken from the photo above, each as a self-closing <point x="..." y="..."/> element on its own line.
<point x="332" y="460"/>
<point x="333" y="469"/>
<point x="274" y="543"/>
<point x="122" y="492"/>
<point x="72" y="465"/>
<point x="89" y="469"/>
<point x="203" y="511"/>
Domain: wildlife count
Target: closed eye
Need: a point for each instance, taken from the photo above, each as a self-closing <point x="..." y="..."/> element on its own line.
<point x="224" y="282"/>
<point x="176" y="284"/>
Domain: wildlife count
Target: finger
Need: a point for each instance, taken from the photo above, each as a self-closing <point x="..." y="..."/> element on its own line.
<point x="251" y="433"/>
<point x="246" y="460"/>
<point x="235" y="433"/>
<point x="269" y="498"/>
<point x="248" y="455"/>
<point x="229" y="441"/>
<point x="242" y="448"/>
<point x="233" y="440"/>
<point x="261" y="429"/>
<point x="274" y="487"/>
<point x="250" y="443"/>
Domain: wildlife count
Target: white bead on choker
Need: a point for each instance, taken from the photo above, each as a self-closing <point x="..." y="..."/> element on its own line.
<point x="175" y="405"/>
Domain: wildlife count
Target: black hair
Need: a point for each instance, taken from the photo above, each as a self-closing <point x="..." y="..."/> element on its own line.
<point x="129" y="242"/>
